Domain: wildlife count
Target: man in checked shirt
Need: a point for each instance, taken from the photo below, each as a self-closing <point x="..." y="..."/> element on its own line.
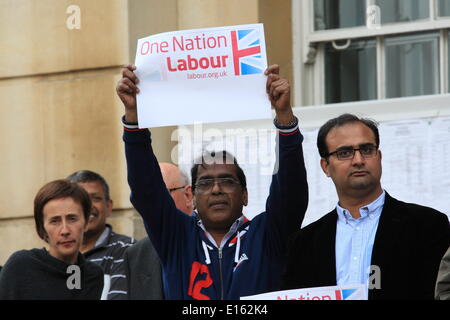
<point x="101" y="245"/>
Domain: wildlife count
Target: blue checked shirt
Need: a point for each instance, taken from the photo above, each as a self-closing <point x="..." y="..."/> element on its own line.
<point x="354" y="242"/>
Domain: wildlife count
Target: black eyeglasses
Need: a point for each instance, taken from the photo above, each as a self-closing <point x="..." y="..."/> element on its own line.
<point x="227" y="185"/>
<point x="173" y="189"/>
<point x="368" y="150"/>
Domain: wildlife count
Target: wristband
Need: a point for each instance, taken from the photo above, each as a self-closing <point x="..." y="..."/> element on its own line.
<point x="290" y="125"/>
<point x="129" y="125"/>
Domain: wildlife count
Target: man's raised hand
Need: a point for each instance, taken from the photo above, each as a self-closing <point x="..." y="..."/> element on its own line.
<point x="127" y="90"/>
<point x="279" y="91"/>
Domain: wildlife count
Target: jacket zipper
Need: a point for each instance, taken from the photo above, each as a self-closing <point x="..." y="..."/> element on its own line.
<point x="220" y="272"/>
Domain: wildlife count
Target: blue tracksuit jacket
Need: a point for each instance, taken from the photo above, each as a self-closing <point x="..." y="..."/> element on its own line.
<point x="253" y="258"/>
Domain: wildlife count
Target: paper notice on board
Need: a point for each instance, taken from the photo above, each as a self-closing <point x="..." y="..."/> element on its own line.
<point x="440" y="162"/>
<point x="202" y="75"/>
<point x="406" y="160"/>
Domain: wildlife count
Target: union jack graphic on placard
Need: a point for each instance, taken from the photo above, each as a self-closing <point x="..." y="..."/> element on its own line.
<point x="344" y="294"/>
<point x="247" y="52"/>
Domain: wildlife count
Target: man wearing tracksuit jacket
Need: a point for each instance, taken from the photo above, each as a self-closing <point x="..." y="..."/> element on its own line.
<point x="217" y="253"/>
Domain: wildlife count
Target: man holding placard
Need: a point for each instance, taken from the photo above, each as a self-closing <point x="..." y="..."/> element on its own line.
<point x="217" y="253"/>
<point x="370" y="238"/>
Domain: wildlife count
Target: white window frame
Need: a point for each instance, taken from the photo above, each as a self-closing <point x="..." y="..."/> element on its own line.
<point x="308" y="49"/>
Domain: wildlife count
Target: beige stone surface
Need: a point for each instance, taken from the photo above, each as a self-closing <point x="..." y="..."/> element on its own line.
<point x="16" y="235"/>
<point x="276" y="16"/>
<point x="57" y="125"/>
<point x="216" y="13"/>
<point x="83" y="130"/>
<point x="22" y="164"/>
<point x="127" y="222"/>
<point x="148" y="17"/>
<point x="34" y="38"/>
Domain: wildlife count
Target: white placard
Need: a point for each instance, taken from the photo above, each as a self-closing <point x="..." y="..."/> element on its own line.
<point x="355" y="292"/>
<point x="202" y="75"/>
<point x="106" y="286"/>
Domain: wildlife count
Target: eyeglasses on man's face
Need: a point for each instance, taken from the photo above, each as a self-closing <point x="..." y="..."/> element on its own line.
<point x="174" y="189"/>
<point x="227" y="185"/>
<point x="367" y="150"/>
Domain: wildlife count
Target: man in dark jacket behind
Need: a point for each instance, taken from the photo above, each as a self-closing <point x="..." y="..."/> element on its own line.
<point x="370" y="238"/>
<point x="143" y="268"/>
<point x="101" y="245"/>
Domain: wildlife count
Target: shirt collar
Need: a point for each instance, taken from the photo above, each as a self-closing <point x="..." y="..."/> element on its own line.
<point x="372" y="210"/>
<point x="103" y="236"/>
<point x="234" y="227"/>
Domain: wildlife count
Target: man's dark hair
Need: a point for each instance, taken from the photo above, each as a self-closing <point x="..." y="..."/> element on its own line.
<point x="338" y="122"/>
<point x="90" y="176"/>
<point x="220" y="157"/>
<point x="59" y="189"/>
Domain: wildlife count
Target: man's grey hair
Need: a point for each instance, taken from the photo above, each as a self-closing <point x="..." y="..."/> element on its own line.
<point x="90" y="176"/>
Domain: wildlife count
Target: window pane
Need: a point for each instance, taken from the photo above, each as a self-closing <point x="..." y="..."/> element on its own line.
<point x="403" y="10"/>
<point x="412" y="65"/>
<point x="444" y="8"/>
<point x="351" y="74"/>
<point x="334" y="14"/>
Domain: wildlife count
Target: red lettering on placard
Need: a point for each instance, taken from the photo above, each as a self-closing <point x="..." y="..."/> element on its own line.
<point x="193" y="64"/>
<point x="163" y="46"/>
<point x="169" y="66"/>
<point x="195" y="287"/>
<point x="154" y="47"/>
<point x="204" y="63"/>
<point x="301" y="297"/>
<point x="145" y="45"/>
<point x="183" y="43"/>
